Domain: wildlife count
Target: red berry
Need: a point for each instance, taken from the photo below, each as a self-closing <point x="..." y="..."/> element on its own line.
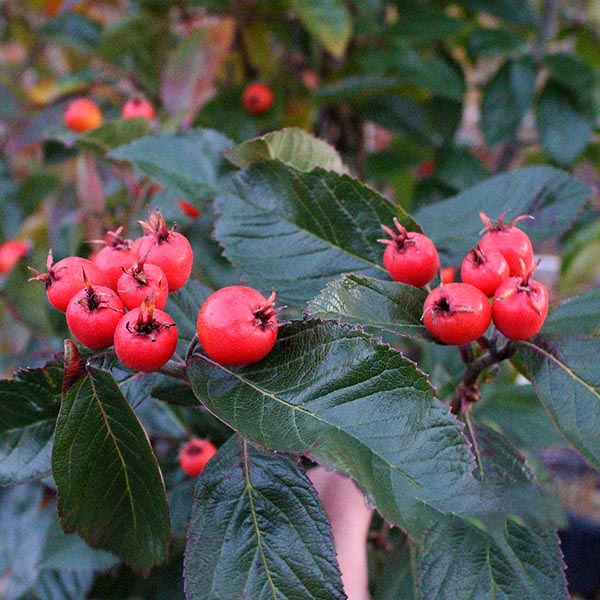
<point x="93" y="314"/>
<point x="237" y="325"/>
<point x="116" y="256"/>
<point x="81" y="115"/>
<point x="409" y="257"/>
<point x="425" y="169"/>
<point x="257" y="98"/>
<point x="485" y="270"/>
<point x="447" y="274"/>
<point x="189" y="209"/>
<point x="166" y="248"/>
<point x="513" y="243"/>
<point x="136" y="107"/>
<point x="65" y="278"/>
<point x="520" y="307"/>
<point x="145" y="338"/>
<point x="10" y="254"/>
<point x="194" y="455"/>
<point x="457" y="313"/>
<point x="143" y="281"/>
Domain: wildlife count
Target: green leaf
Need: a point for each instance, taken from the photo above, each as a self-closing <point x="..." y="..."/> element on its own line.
<point x="294" y="232"/>
<point x="514" y="561"/>
<point x="577" y="315"/>
<point x="357" y="406"/>
<point x="110" y="487"/>
<point x="571" y="72"/>
<point x="258" y="531"/>
<point x="506" y="99"/>
<point x="565" y="123"/>
<point x="564" y="373"/>
<point x="551" y="196"/>
<point x="387" y="305"/>
<point x="188" y="79"/>
<point x="522" y="12"/>
<point x="425" y="23"/>
<point x="457" y="168"/>
<point x="189" y="165"/>
<point x="328" y="20"/>
<point x="28" y="413"/>
<point x="292" y="146"/>
<point x="183" y="306"/>
<point x="114" y="133"/>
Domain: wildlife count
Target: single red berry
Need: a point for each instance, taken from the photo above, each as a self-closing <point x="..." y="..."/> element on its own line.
<point x="93" y="314"/>
<point x="194" y="455"/>
<point x="425" y="169"/>
<point x="457" y="313"/>
<point x="257" y="98"/>
<point x="485" y="270"/>
<point x="447" y="274"/>
<point x="116" y="256"/>
<point x="513" y="243"/>
<point x="143" y="281"/>
<point x="166" y="248"/>
<point x="189" y="209"/>
<point x="237" y="325"/>
<point x="409" y="257"/>
<point x="520" y="306"/>
<point x="65" y="278"/>
<point x="145" y="338"/>
<point x="136" y="107"/>
<point x="10" y="254"/>
<point x="81" y="115"/>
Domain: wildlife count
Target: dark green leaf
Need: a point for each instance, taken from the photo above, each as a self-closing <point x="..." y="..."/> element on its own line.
<point x="492" y="42"/>
<point x="358" y="87"/>
<point x="506" y="99"/>
<point x="425" y="23"/>
<point x="511" y="562"/>
<point x="393" y="570"/>
<point x="27" y="416"/>
<point x="564" y="373"/>
<point x="578" y="315"/>
<point x="294" y="232"/>
<point x="72" y="29"/>
<point x="115" y="132"/>
<point x="457" y="168"/>
<point x="258" y="531"/>
<point x="571" y="72"/>
<point x="357" y="406"/>
<point x="551" y="196"/>
<point x="292" y="146"/>
<point x="184" y="304"/>
<point x="328" y="20"/>
<point x="189" y="165"/>
<point x="110" y="488"/>
<point x="522" y="12"/>
<point x="386" y="305"/>
<point x="565" y="124"/>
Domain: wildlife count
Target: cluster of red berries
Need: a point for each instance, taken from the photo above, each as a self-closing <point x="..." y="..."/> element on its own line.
<point x="118" y="296"/>
<point x="499" y="268"/>
<point x="83" y="114"/>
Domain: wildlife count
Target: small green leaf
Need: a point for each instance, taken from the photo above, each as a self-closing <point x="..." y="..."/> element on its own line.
<point x="387" y="305"/>
<point x="506" y="99"/>
<point x="258" y="531"/>
<point x="565" y="123"/>
<point x="292" y="146"/>
<point x="328" y="20"/>
<point x="189" y="164"/>
<point x="564" y="373"/>
<point x="110" y="487"/>
<point x="294" y="232"/>
<point x="28" y="413"/>
<point x="357" y="406"/>
<point x="551" y="196"/>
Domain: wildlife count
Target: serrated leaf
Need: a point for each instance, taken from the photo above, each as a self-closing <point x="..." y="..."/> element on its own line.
<point x="294" y="232"/>
<point x="387" y="305"/>
<point x="551" y="196"/>
<point x="577" y="315"/>
<point x="564" y="373"/>
<point x="357" y="406"/>
<point x="110" y="487"/>
<point x="292" y="146"/>
<point x="27" y="416"/>
<point x="565" y="123"/>
<point x="515" y="561"/>
<point x="506" y="99"/>
<point x="258" y="531"/>
<point x="328" y="20"/>
<point x="189" y="165"/>
<point x="188" y="79"/>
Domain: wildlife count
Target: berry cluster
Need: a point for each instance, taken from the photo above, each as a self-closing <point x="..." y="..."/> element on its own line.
<point x="117" y="297"/>
<point x="499" y="268"/>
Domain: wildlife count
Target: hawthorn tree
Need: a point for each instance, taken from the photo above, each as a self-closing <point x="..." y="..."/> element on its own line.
<point x="372" y="120"/>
